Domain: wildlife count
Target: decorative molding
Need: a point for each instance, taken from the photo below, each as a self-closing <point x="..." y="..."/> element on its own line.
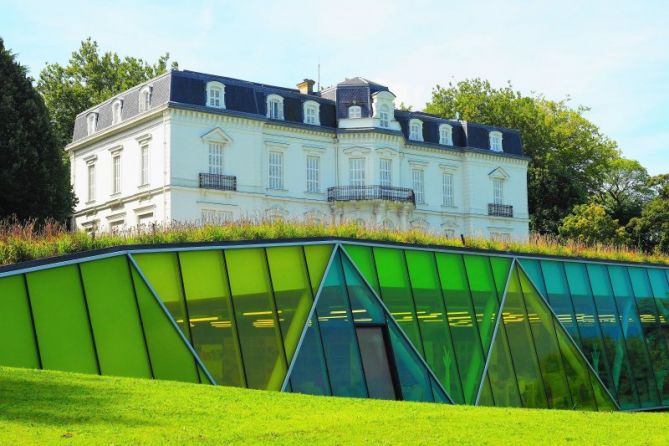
<point x="449" y="167"/>
<point x="356" y="150"/>
<point x="216" y="135"/>
<point x="116" y="149"/>
<point x="145" y="137"/>
<point x="418" y="163"/>
<point x="499" y="173"/>
<point x="91" y="159"/>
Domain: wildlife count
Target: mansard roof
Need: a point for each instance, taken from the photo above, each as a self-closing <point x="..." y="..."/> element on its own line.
<point x="188" y="89"/>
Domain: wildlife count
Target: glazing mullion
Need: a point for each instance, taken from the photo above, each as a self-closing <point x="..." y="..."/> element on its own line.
<point x="312" y="315"/>
<point x="139" y="316"/>
<point x="233" y="317"/>
<point x="413" y="304"/>
<point x="32" y="321"/>
<point x="187" y="315"/>
<point x="88" y="319"/>
<point x="275" y="307"/>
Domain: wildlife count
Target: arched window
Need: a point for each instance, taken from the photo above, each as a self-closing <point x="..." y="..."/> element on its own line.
<point x="215" y="94"/>
<point x="274" y="106"/>
<point x="496" y="141"/>
<point x="117" y="108"/>
<point x="354" y="112"/>
<point x="384" y="116"/>
<point x="416" y="130"/>
<point x="145" y="99"/>
<point x="446" y="135"/>
<point x="91" y="123"/>
<point x="312" y="112"/>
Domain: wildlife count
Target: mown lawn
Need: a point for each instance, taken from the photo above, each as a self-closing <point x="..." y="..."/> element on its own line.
<point x="39" y="407"/>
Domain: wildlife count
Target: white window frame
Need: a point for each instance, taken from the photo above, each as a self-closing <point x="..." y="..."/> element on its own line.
<point x="215" y="94"/>
<point x="447" y="188"/>
<point x="313" y="173"/>
<point x="446" y="134"/>
<point x="117" y="111"/>
<point x="145" y="98"/>
<point x="384" y="116"/>
<point x="275" y="170"/>
<point x="116" y="173"/>
<point x="418" y="185"/>
<point x="496" y="141"/>
<point x="215" y="152"/>
<point x="385" y="172"/>
<point x="275" y="107"/>
<point x="311" y="111"/>
<point x="90" y="180"/>
<point x="416" y="130"/>
<point x="357" y="171"/>
<point x="354" y="112"/>
<point x="144" y="164"/>
<point x="91" y="123"/>
<point x="498" y="191"/>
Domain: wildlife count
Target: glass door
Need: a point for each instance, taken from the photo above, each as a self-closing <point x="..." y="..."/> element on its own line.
<point x="375" y="351"/>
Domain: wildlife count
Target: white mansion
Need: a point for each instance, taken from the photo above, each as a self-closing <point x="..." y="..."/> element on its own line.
<point x="189" y="147"/>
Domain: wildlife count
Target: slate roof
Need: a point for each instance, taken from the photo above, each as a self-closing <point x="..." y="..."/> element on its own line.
<point x="188" y="89"/>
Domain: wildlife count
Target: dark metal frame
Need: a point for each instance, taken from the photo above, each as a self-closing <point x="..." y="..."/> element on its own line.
<point x="217" y="181"/>
<point x="374" y="192"/>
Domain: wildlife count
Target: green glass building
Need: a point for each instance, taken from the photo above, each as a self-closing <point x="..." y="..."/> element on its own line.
<point x="350" y="318"/>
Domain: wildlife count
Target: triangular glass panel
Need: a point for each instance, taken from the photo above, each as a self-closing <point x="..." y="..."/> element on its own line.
<point x="317" y="257"/>
<point x="363" y="350"/>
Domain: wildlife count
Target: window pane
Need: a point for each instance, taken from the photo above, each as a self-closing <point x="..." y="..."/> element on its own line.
<point x="292" y="292"/>
<point x="337" y="332"/>
<point x="170" y="358"/>
<point x="559" y="298"/>
<point x="16" y="327"/>
<point x="636" y="348"/>
<point x="317" y="257"/>
<point x="309" y="374"/>
<point x="484" y="295"/>
<point x="363" y="258"/>
<point x="113" y="308"/>
<point x="437" y="343"/>
<point x="260" y="337"/>
<point x="501" y="373"/>
<point x="414" y="378"/>
<point x="462" y="322"/>
<point x="212" y="323"/>
<point x="364" y="305"/>
<point x="61" y="320"/>
<point x="661" y="292"/>
<point x="396" y="291"/>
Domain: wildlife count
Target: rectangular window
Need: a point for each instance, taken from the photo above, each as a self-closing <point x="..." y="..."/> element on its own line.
<point x="500" y="237"/>
<point x="91" y="182"/>
<point x="418" y="176"/>
<point x="116" y="174"/>
<point x="356" y="171"/>
<point x="313" y="174"/>
<point x="498" y="190"/>
<point x="311" y="115"/>
<point x="215" y="158"/>
<point x="213" y="216"/>
<point x="275" y="170"/>
<point x="144" y="165"/>
<point x="447" y="189"/>
<point x="143" y="220"/>
<point x="116" y="226"/>
<point x="385" y="172"/>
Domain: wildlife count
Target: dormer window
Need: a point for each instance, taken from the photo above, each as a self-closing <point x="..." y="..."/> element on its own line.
<point x="496" y="141"/>
<point x="145" y="99"/>
<point x="274" y="106"/>
<point x="311" y="113"/>
<point x="215" y="94"/>
<point x="354" y="112"/>
<point x="446" y="135"/>
<point x="91" y="123"/>
<point x="117" y="108"/>
<point x="416" y="130"/>
<point x="384" y="116"/>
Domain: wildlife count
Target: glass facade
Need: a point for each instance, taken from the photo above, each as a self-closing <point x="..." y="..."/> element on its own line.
<point x="351" y="319"/>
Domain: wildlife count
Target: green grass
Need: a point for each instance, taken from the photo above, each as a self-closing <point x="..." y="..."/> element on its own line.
<point x="44" y="407"/>
<point x="22" y="242"/>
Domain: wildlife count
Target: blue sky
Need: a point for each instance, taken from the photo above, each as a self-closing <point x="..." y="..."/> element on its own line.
<point x="611" y="56"/>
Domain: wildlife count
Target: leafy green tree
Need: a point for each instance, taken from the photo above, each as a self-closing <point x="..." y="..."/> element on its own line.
<point x="33" y="179"/>
<point x="569" y="155"/>
<point x="88" y="79"/>
<point x="625" y="189"/>
<point x="651" y="230"/>
<point x="591" y="224"/>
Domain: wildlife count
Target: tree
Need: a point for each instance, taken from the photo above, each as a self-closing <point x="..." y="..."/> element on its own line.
<point x="625" y="189"/>
<point x="88" y="79"/>
<point x="591" y="224"/>
<point x="33" y="179"/>
<point x="569" y="156"/>
<point x="651" y="229"/>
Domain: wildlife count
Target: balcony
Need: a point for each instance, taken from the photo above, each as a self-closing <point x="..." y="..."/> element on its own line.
<point x="219" y="182"/>
<point x="500" y="210"/>
<point x="388" y="193"/>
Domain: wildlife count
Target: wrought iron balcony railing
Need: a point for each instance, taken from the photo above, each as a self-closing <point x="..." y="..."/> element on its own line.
<point x="350" y="193"/>
<point x="220" y="182"/>
<point x="500" y="210"/>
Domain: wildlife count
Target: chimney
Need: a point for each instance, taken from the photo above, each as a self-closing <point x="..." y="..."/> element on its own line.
<point x="306" y="86"/>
